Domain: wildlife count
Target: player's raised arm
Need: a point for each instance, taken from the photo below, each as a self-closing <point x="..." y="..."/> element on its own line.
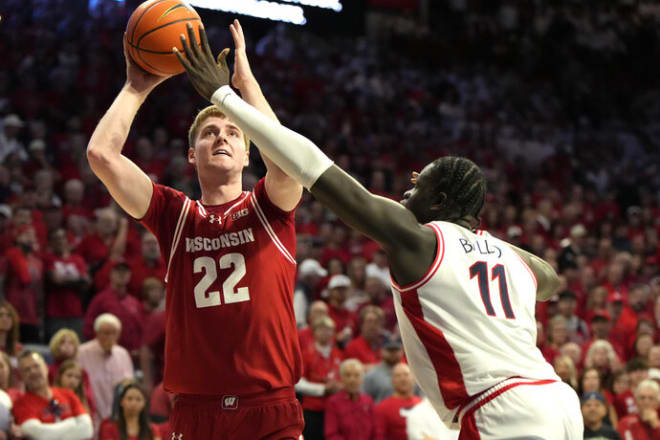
<point x="387" y="222"/>
<point x="128" y="185"/>
<point x="282" y="190"/>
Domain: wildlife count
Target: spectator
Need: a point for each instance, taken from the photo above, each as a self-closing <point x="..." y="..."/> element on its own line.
<point x="594" y="411"/>
<point x="9" y="330"/>
<point x="378" y="381"/>
<point x="316" y="310"/>
<point x="310" y="273"/>
<point x="152" y="352"/>
<point x="320" y="376"/>
<point x="8" y="378"/>
<point x="645" y="425"/>
<point x="106" y="362"/>
<point x="601" y="355"/>
<point x="161" y="407"/>
<point x="67" y="280"/>
<point x="70" y="376"/>
<point x="557" y="336"/>
<point x="590" y="382"/>
<point x="566" y="370"/>
<point x="573" y="351"/>
<point x="116" y="300"/>
<point x="153" y="296"/>
<point x="379" y="294"/>
<point x="345" y="320"/>
<point x="601" y="326"/>
<point x="391" y="413"/>
<point x="132" y="421"/>
<point x="149" y="265"/>
<point x="108" y="239"/>
<point x="6" y="419"/>
<point x="625" y="403"/>
<point x="9" y="142"/>
<point x="577" y="329"/>
<point x="423" y="423"/>
<point x="654" y="357"/>
<point x="63" y="346"/>
<point x="349" y="414"/>
<point x="23" y="276"/>
<point x="642" y="346"/>
<point x="48" y="413"/>
<point x="366" y="347"/>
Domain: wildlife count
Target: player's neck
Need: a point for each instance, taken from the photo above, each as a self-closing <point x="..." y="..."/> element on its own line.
<point x="217" y="194"/>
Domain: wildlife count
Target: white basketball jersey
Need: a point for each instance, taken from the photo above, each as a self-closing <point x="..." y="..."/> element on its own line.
<point x="469" y="323"/>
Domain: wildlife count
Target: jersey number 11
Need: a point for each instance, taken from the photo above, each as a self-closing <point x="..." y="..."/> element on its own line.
<point x="480" y="270"/>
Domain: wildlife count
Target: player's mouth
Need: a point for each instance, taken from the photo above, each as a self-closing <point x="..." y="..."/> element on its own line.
<point x="221" y="151"/>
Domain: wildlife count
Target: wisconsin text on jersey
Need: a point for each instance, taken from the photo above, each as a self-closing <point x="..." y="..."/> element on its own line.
<point x="480" y="246"/>
<point x="230" y="239"/>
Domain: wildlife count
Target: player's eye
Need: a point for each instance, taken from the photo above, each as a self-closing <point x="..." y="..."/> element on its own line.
<point x="233" y="133"/>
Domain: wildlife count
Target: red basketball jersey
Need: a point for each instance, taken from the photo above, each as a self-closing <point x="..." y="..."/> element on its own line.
<point x="230" y="277"/>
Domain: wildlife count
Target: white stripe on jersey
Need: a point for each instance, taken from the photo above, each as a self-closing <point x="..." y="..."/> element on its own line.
<point x="245" y="194"/>
<point x="269" y="230"/>
<point x="177" y="232"/>
<point x="201" y="209"/>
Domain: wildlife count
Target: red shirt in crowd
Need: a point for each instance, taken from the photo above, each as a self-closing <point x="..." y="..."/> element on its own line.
<point x="87" y="385"/>
<point x="342" y="317"/>
<point x="347" y="419"/>
<point x="127" y="309"/>
<point x="305" y="338"/>
<point x="624" y="404"/>
<point x="23" y="278"/>
<point x="32" y="406"/>
<point x="154" y="338"/>
<point x="391" y="416"/>
<point x="360" y="349"/>
<point x="110" y="431"/>
<point x="64" y="301"/>
<point x="140" y="271"/>
<point x="319" y="369"/>
<point x="632" y="427"/>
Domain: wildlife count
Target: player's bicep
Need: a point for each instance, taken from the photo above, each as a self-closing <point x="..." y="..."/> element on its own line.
<point x="385" y="221"/>
<point x="128" y="185"/>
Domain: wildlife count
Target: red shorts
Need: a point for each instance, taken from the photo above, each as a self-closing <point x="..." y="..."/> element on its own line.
<point x="275" y="415"/>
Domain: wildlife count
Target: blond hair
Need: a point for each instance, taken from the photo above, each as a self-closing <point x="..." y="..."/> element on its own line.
<point x="57" y="338"/>
<point x="205" y="113"/>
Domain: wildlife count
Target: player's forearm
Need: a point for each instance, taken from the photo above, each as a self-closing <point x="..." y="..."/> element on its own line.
<point x="546" y="277"/>
<point x="112" y="130"/>
<point x="252" y="94"/>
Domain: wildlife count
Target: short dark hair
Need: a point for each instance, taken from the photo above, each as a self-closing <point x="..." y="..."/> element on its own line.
<point x="463" y="182"/>
<point x="636" y="364"/>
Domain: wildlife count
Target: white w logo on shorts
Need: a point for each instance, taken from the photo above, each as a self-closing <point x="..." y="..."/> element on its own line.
<point x="176" y="436"/>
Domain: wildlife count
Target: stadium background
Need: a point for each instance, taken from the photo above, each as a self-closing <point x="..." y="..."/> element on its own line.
<point x="557" y="101"/>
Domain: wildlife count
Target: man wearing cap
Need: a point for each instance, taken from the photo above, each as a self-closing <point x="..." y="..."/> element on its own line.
<point x="9" y="143"/>
<point x="601" y="327"/>
<point x="578" y="331"/>
<point x="310" y="273"/>
<point x="645" y="425"/>
<point x="378" y="381"/>
<point x="594" y="410"/>
<point x="345" y="320"/>
<point x="116" y="300"/>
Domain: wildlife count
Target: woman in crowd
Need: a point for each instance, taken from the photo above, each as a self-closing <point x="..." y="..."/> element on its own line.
<point x="601" y="355"/>
<point x="70" y="376"/>
<point x="9" y="330"/>
<point x="590" y="380"/>
<point x="132" y="421"/>
<point x="565" y="369"/>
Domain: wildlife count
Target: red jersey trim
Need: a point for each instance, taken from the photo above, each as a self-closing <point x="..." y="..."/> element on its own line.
<point x="447" y="368"/>
<point x="177" y="232"/>
<point x="440" y="254"/>
<point x="270" y="231"/>
<point x="529" y="269"/>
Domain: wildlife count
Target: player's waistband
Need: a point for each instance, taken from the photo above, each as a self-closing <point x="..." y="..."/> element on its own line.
<point x="236" y="401"/>
<point x="480" y="399"/>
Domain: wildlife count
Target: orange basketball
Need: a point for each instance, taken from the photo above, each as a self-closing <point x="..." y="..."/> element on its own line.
<point x="154" y="29"/>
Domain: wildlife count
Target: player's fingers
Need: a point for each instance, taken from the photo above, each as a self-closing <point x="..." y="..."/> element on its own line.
<point x="234" y="34"/>
<point x="221" y="61"/>
<point x="186" y="49"/>
<point x="239" y="29"/>
<point x="206" y="49"/>
<point x="184" y="62"/>
<point x="192" y="38"/>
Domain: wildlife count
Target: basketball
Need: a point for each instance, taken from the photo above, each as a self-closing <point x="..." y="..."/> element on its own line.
<point x="154" y="28"/>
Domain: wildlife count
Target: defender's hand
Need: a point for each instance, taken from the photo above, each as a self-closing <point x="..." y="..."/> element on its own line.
<point x="242" y="72"/>
<point x="205" y="75"/>
<point x="136" y="78"/>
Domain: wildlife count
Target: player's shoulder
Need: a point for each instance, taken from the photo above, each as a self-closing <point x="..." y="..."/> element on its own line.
<point x="168" y="192"/>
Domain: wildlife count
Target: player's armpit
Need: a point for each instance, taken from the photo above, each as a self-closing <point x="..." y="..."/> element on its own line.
<point x="546" y="277"/>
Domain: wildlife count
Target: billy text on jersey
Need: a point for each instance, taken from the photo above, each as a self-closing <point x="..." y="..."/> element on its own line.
<point x="480" y="246"/>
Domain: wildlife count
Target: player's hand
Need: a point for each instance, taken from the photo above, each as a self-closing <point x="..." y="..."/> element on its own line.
<point x="137" y="79"/>
<point x="242" y="72"/>
<point x="205" y="73"/>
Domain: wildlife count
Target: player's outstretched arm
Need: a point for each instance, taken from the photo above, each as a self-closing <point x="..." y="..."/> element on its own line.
<point x="546" y="277"/>
<point x="128" y="185"/>
<point x="282" y="190"/>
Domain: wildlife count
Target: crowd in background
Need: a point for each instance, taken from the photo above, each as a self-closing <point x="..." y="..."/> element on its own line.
<point x="557" y="102"/>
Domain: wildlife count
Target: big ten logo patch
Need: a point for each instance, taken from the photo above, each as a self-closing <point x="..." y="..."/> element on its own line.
<point x="238" y="214"/>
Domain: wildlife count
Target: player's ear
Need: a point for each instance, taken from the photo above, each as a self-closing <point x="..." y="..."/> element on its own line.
<point x="191" y="156"/>
<point x="246" y="161"/>
<point x="439" y="202"/>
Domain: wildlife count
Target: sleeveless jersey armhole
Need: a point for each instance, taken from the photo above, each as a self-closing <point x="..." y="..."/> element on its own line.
<point x="439" y="256"/>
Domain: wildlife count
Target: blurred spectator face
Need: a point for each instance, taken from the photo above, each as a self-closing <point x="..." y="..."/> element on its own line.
<point x="647" y="398"/>
<point x="654" y="357"/>
<point x="324" y="332"/>
<point x="67" y="348"/>
<point x="71" y="378"/>
<point x="317" y="310"/>
<point x="143" y="149"/>
<point x="605" y="248"/>
<point x="335" y="267"/>
<point x="615" y="273"/>
<point x="637" y="298"/>
<point x="153" y="291"/>
<point x="74" y="192"/>
<point x="338" y="295"/>
<point x="106" y="222"/>
<point x="567" y="306"/>
<point x="391" y="356"/>
<point x="636" y="376"/>
<point x="133" y="402"/>
<point x="558" y="332"/>
<point x="573" y="351"/>
<point x="402" y="379"/>
<point x="77" y="225"/>
<point x="59" y="242"/>
<point x="22" y="217"/>
<point x="600" y="358"/>
<point x="351" y="378"/>
<point x="372" y="326"/>
<point x="34" y="372"/>
<point x="598" y="297"/>
<point x="590" y="380"/>
<point x="27" y="239"/>
<point x="120" y="277"/>
<point x="593" y="412"/>
<point x="643" y="345"/>
<point x="562" y="369"/>
<point x="43" y="181"/>
<point x="601" y="327"/>
<point x="374" y="289"/>
<point x="621" y="384"/>
<point x="6" y="320"/>
<point x="107" y="335"/>
<point x="587" y="277"/>
<point x="150" y="248"/>
<point x="356" y="270"/>
<point x="380" y="258"/>
<point x="5" y="371"/>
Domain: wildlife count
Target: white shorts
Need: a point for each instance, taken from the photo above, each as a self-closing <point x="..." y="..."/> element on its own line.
<point x="524" y="409"/>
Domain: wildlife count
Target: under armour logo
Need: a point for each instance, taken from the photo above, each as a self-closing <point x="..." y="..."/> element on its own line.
<point x="214" y="218"/>
<point x="230" y="402"/>
<point x="176" y="436"/>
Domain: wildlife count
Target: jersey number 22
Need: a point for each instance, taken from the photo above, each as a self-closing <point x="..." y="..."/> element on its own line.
<point x="230" y="293"/>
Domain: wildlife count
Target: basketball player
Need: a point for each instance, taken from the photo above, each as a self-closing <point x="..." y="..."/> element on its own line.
<point x="231" y="352"/>
<point x="464" y="299"/>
